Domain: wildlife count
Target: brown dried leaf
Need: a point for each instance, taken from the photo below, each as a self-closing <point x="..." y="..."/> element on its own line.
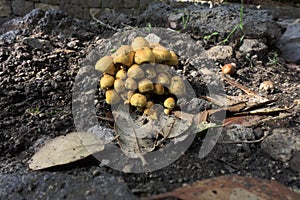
<point x="66" y="149"/>
<point x="243" y="120"/>
<point x="240" y="86"/>
<point x="231" y="188"/>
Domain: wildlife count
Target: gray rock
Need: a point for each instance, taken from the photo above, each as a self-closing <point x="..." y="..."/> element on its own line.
<point x="5" y="9"/>
<point x="37" y="43"/>
<point x="281" y="144"/>
<point x="289" y="43"/>
<point x="251" y="47"/>
<point x="21" y="7"/>
<point x="238" y="133"/>
<point x="220" y="53"/>
<point x="61" y="185"/>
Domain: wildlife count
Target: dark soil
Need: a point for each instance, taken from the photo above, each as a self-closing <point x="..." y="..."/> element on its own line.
<point x="40" y="57"/>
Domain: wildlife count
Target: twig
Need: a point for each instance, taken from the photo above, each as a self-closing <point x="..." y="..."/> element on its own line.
<point x="245" y="141"/>
<point x="108" y="119"/>
<point x="103" y="24"/>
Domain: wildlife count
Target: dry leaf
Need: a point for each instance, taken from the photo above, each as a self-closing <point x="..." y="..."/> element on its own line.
<point x="66" y="149"/>
<point x="240" y="86"/>
<point x="231" y="188"/>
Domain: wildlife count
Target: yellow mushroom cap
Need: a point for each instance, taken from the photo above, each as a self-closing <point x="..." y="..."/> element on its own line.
<point x="135" y="72"/>
<point x="149" y="104"/>
<point x="106" y="81"/>
<point x="139" y="42"/>
<point x="177" y="86"/>
<point x="158" y="89"/>
<point x="163" y="79"/>
<point x="167" y="111"/>
<point x="155" y="44"/>
<point x="145" y="85"/>
<point x="111" y="97"/>
<point x="161" y="54"/>
<point x="119" y="85"/>
<point x="106" y="65"/>
<point x="138" y="100"/>
<point x="131" y="84"/>
<point x="174" y="59"/>
<point x="124" y="55"/>
<point x="169" y="103"/>
<point x="121" y="74"/>
<point x="144" y="55"/>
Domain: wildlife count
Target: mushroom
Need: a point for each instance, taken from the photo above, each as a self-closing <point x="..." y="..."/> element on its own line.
<point x="139" y="42"/>
<point x="177" y="86"/>
<point x="119" y="85"/>
<point x="169" y="103"/>
<point x="106" y="65"/>
<point x="106" y="81"/>
<point x="145" y="85"/>
<point x="149" y="71"/>
<point x="135" y="72"/>
<point x="161" y="54"/>
<point x="111" y="97"/>
<point x="149" y="104"/>
<point x="267" y="86"/>
<point x="229" y="68"/>
<point x="121" y="74"/>
<point x="130" y="84"/>
<point x="144" y="55"/>
<point x="167" y="111"/>
<point x="163" y="79"/>
<point x="124" y="55"/>
<point x="174" y="59"/>
<point x="155" y="44"/>
<point x="138" y="100"/>
<point x="158" y="89"/>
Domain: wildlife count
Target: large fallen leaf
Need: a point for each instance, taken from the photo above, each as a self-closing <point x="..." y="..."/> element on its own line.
<point x="66" y="149"/>
<point x="231" y="188"/>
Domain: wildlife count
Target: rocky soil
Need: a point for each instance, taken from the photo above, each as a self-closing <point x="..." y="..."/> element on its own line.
<point x="42" y="53"/>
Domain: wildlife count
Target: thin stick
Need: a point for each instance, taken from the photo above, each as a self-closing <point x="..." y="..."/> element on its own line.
<point x="245" y="141"/>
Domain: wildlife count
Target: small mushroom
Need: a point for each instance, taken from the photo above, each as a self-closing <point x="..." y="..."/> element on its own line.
<point x="160" y="68"/>
<point x="130" y="84"/>
<point x="155" y="44"/>
<point x="267" y="86"/>
<point x="177" y="86"/>
<point x="158" y="89"/>
<point x="124" y="55"/>
<point x="149" y="71"/>
<point x="106" y="81"/>
<point x="106" y="65"/>
<point x="144" y="55"/>
<point x="229" y="68"/>
<point x="161" y="54"/>
<point x="169" y="103"/>
<point x="121" y="74"/>
<point x="149" y="104"/>
<point x="138" y="100"/>
<point x="174" y="59"/>
<point x="145" y="85"/>
<point x="135" y="72"/>
<point x="129" y="94"/>
<point x="167" y="111"/>
<point x="119" y="85"/>
<point x="163" y="79"/>
<point x="151" y="113"/>
<point x="139" y="42"/>
<point x="111" y="97"/>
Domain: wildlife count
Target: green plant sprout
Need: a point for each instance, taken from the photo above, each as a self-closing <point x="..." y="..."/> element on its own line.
<point x="185" y="18"/>
<point x="274" y="59"/>
<point x="236" y="27"/>
<point x="208" y="37"/>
